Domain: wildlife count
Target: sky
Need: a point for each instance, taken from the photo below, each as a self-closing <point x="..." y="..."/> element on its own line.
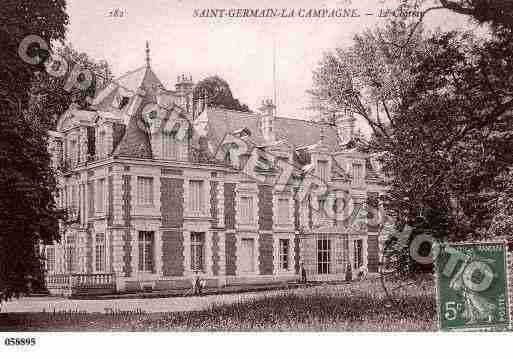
<point x="240" y="50"/>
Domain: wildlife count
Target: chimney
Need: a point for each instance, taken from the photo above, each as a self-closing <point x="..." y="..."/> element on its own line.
<point x="184" y="86"/>
<point x="345" y="127"/>
<point x="267" y="112"/>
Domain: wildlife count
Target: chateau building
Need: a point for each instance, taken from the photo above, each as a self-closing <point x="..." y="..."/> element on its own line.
<point x="158" y="197"/>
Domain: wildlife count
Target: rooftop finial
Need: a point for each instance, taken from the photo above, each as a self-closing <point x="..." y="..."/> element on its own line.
<point x="147" y="54"/>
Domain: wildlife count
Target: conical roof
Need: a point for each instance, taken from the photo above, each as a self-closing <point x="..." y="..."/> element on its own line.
<point x="125" y="87"/>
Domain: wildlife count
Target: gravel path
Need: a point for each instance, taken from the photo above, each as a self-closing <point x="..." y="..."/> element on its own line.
<point x="151" y="305"/>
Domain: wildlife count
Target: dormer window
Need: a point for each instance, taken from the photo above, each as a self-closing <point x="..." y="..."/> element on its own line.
<point x="280" y="160"/>
<point x="322" y="167"/>
<point x="123" y="102"/>
<point x="357" y="173"/>
<point x="169" y="146"/>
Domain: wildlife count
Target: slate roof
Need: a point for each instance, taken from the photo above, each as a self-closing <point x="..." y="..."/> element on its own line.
<point x="126" y="86"/>
<point x="221" y="122"/>
<point x="299" y="133"/>
<point x="302" y="133"/>
<point x="132" y="140"/>
<point x="135" y="142"/>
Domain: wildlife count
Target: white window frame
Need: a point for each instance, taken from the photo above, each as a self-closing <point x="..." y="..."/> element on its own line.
<point x="242" y="223"/>
<point x="99" y="205"/>
<point x="282" y="256"/>
<point x="255" y="261"/>
<point x="72" y="154"/>
<point x="74" y="198"/>
<point x="145" y="191"/>
<point x="323" y="171"/>
<point x="100" y="148"/>
<point x="281" y="218"/>
<point x="100" y="257"/>
<point x="326" y="265"/>
<point x="321" y="203"/>
<point x="198" y="240"/>
<point x="358" y="176"/>
<point x="170" y="146"/>
<point x="141" y="267"/>
<point x="250" y="218"/>
<point x="202" y="197"/>
<point x="71" y="254"/>
<point x="50" y="259"/>
<point x="357" y="257"/>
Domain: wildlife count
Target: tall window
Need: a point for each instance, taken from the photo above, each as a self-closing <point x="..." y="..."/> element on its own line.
<point x="323" y="255"/>
<point x="283" y="210"/>
<point x="145" y="191"/>
<point x="74" y="198"/>
<point x="345" y="251"/>
<point x="100" y="197"/>
<point x="284" y="253"/>
<point x="322" y="209"/>
<point x="71" y="255"/>
<point x="65" y="197"/>
<point x="50" y="259"/>
<point x="101" y="145"/>
<point x="169" y="146"/>
<point x="358" y="251"/>
<point x="246" y="209"/>
<point x="357" y="173"/>
<point x="72" y="152"/>
<point x="146" y="245"/>
<point x="197" y="251"/>
<point x="246" y="255"/>
<point x="281" y="162"/>
<point x="323" y="170"/>
<point x="196" y="197"/>
<point x="101" y="254"/>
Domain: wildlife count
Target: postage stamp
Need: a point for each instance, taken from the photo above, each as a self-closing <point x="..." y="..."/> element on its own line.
<point x="472" y="288"/>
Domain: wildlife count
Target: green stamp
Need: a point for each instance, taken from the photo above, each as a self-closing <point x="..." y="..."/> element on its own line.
<point x="472" y="289"/>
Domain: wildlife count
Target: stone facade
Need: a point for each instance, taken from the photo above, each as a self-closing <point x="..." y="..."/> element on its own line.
<point x="157" y="218"/>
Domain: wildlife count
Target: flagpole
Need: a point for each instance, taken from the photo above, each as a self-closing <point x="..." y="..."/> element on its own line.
<point x="275" y="100"/>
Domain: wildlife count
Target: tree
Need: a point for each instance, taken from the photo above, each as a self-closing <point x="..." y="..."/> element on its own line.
<point x="440" y="108"/>
<point x="502" y="207"/>
<point x="28" y="213"/>
<point x="454" y="131"/>
<point x="217" y="93"/>
<point x="498" y="13"/>
<point x="50" y="97"/>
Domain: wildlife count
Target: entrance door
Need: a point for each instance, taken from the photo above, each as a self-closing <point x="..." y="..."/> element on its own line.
<point x="247" y="258"/>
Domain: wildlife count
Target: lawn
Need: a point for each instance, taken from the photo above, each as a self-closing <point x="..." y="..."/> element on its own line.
<point x="348" y="307"/>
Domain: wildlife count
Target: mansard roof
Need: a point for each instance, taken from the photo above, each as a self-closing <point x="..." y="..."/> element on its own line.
<point x="221" y="121"/>
<point x="133" y="140"/>
<point x="303" y="133"/>
<point x="74" y="116"/>
<point x="298" y="133"/>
